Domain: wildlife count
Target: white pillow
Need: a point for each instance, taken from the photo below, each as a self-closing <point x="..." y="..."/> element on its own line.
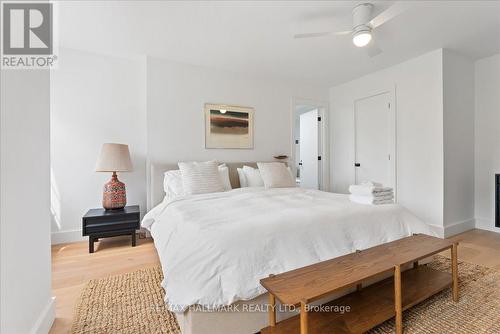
<point x="242" y="177"/>
<point x="224" y="174"/>
<point x="276" y="175"/>
<point x="252" y="176"/>
<point x="172" y="181"/>
<point x="200" y="177"/>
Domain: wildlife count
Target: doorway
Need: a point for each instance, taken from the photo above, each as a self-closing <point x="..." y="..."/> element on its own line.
<point x="308" y="131"/>
<point x="374" y="127"/>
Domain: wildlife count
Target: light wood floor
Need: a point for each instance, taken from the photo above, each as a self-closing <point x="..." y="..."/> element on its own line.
<point x="479" y="247"/>
<point x="73" y="266"/>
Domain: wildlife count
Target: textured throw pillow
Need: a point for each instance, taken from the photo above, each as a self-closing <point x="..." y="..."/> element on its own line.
<point x="275" y="175"/>
<point x="172" y="181"/>
<point x="201" y="177"/>
<point x="252" y="176"/>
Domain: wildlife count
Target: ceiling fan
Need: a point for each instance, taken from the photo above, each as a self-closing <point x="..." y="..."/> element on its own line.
<point x="363" y="25"/>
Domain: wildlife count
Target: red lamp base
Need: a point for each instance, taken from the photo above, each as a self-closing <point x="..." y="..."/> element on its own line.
<point x="114" y="196"/>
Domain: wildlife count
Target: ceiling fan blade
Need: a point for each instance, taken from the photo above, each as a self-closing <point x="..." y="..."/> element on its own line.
<point x="321" y="34"/>
<point x="313" y="34"/>
<point x="347" y="32"/>
<point x="390" y="13"/>
<point x="372" y="50"/>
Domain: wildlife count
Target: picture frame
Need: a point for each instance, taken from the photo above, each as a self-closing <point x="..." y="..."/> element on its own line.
<point x="228" y="127"/>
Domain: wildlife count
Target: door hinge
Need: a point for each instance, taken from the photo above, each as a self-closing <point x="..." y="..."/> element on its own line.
<point x="389" y="157"/>
<point x="319" y="157"/>
<point x="296" y="141"/>
<point x="319" y="118"/>
<point x="389" y="105"/>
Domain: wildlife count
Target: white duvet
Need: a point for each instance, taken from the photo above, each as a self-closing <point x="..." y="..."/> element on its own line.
<point x="214" y="248"/>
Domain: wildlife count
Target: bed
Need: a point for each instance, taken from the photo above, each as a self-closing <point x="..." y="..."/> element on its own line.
<point x="214" y="248"/>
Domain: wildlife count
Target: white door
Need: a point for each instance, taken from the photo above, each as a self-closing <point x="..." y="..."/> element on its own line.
<point x="309" y="150"/>
<point x="373" y="131"/>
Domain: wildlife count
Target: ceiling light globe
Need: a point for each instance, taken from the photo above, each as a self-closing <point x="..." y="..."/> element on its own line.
<point x="362" y="39"/>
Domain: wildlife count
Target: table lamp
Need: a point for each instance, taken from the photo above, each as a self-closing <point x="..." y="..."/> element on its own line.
<point x="114" y="158"/>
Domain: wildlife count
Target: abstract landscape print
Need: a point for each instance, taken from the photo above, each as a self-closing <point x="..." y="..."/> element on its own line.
<point x="228" y="126"/>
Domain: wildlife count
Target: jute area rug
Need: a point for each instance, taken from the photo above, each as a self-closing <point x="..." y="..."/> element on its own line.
<point x="133" y="303"/>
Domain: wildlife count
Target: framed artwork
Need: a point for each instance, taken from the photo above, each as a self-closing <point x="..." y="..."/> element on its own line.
<point x="228" y="126"/>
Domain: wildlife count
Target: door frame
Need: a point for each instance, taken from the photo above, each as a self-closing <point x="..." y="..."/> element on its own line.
<point x="391" y="91"/>
<point x="324" y="181"/>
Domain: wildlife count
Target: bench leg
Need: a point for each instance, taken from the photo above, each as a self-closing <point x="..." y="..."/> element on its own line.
<point x="133" y="239"/>
<point x="397" y="300"/>
<point x="454" y="270"/>
<point x="303" y="318"/>
<point x="272" y="310"/>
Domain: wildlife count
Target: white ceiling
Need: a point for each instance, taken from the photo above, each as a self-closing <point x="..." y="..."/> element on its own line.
<point x="257" y="37"/>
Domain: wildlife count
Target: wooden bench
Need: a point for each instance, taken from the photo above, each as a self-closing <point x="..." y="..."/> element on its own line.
<point x="369" y="306"/>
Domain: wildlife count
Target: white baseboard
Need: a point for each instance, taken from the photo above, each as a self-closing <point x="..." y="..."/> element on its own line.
<point x="438" y="230"/>
<point x="459" y="227"/>
<point x="486" y="224"/>
<point x="46" y="318"/>
<point x="61" y="237"/>
<point x="453" y="229"/>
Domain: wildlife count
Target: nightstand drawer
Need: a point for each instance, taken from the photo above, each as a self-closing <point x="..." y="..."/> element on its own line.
<point x="96" y="227"/>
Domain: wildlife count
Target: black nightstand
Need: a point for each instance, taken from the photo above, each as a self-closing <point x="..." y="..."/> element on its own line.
<point x="101" y="223"/>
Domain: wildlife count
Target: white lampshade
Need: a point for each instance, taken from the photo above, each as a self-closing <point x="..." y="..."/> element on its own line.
<point x="114" y="158"/>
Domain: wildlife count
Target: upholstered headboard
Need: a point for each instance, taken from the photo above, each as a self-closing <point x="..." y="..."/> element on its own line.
<point x="157" y="170"/>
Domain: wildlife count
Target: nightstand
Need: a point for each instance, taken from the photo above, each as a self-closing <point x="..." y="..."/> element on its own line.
<point x="101" y="223"/>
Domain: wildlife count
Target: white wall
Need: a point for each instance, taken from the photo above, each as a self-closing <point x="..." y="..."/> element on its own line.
<point x="458" y="111"/>
<point x="176" y="94"/>
<point x="419" y="108"/>
<point x="94" y="99"/>
<point x="26" y="305"/>
<point x="487" y="144"/>
<point x="155" y="106"/>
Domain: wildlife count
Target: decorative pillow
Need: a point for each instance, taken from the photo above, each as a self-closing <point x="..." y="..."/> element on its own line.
<point x="242" y="177"/>
<point x="252" y="176"/>
<point x="276" y="175"/>
<point x="172" y="183"/>
<point x="224" y="174"/>
<point x="200" y="177"/>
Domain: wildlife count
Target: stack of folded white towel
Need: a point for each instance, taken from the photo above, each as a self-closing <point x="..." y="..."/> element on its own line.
<point x="371" y="193"/>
